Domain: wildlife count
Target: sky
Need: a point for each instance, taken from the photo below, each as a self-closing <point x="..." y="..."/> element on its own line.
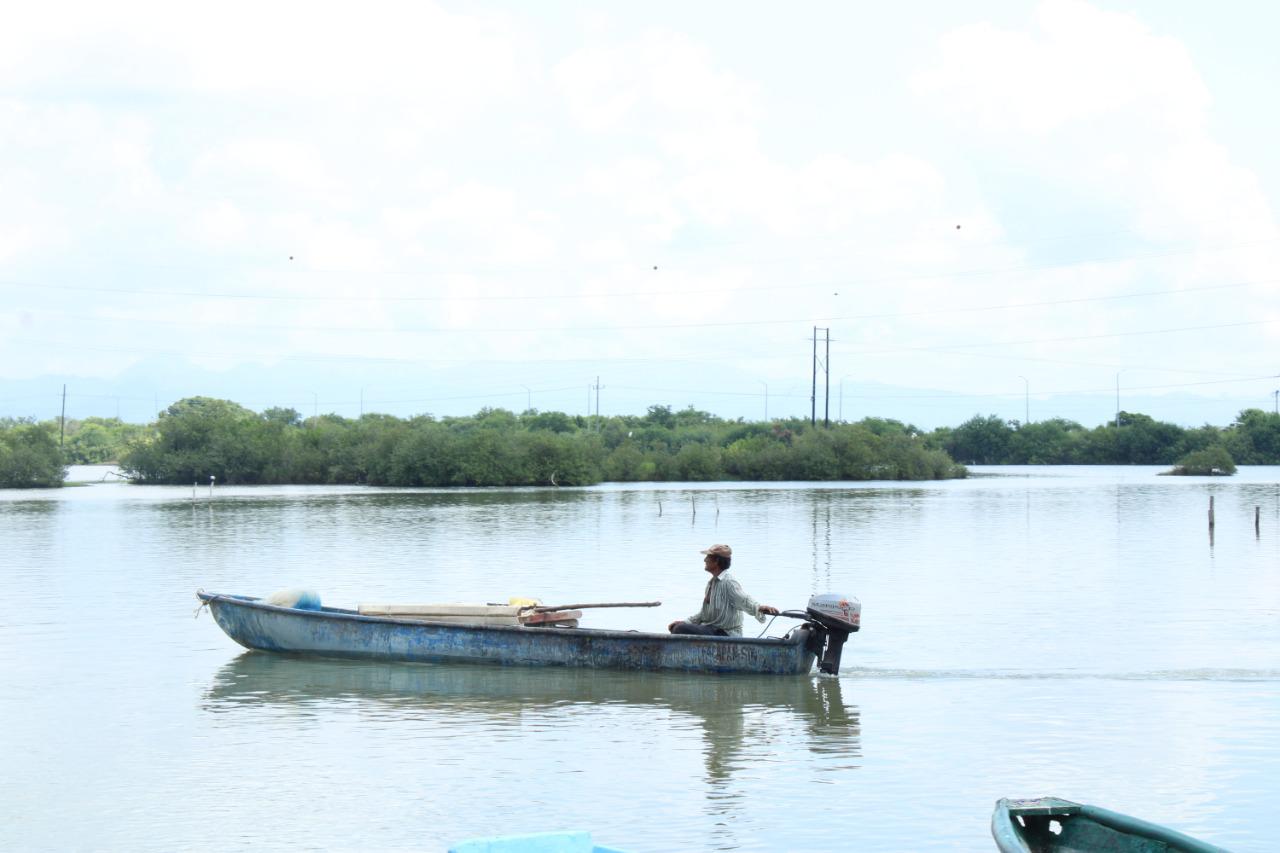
<point x="1031" y="210"/>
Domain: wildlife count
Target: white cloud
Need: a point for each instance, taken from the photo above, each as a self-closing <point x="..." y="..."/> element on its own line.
<point x="219" y="224"/>
<point x="298" y="165"/>
<point x="68" y="172"/>
<point x="414" y="151"/>
<point x="312" y="50"/>
<point x="646" y="84"/>
<point x="1100" y="109"/>
<point x="689" y="133"/>
<point x="1083" y="64"/>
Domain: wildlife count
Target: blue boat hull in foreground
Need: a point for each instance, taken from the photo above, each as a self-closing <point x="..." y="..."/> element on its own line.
<point x="338" y="633"/>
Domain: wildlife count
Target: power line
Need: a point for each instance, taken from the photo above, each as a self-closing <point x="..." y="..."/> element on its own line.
<point x="1075" y="363"/>
<point x="954" y="395"/>
<point x="639" y="360"/>
<point x="1047" y="303"/>
<point x="523" y="297"/>
<point x="718" y="356"/>
<point x="1069" y="339"/>
<point x="275" y="259"/>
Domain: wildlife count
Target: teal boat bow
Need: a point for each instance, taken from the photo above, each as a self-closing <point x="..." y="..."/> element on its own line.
<point x="1052" y="825"/>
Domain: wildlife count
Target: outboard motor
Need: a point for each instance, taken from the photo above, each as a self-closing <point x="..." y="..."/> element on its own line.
<point x="840" y="615"/>
<point x="831" y="619"/>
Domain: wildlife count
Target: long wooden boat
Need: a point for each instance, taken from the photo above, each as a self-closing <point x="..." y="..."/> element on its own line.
<point x="1052" y="825"/>
<point x="340" y="633"/>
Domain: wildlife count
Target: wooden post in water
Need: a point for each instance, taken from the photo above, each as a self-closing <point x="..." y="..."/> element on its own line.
<point x="1210" y="512"/>
<point x="659" y="509"/>
<point x="693" y="502"/>
<point x="1257" y="522"/>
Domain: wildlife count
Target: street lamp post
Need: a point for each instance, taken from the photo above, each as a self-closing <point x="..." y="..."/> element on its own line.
<point x="1118" y="398"/>
<point x="1026" y="401"/>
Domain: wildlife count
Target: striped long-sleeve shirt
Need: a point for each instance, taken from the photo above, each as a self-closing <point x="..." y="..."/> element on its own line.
<point x="723" y="605"/>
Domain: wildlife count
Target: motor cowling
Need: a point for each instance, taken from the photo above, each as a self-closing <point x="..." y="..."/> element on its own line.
<point x="835" y="617"/>
<point x="837" y="612"/>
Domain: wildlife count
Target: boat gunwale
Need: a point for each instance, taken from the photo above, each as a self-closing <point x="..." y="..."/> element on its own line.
<point x="341" y="613"/>
<point x="1008" y="833"/>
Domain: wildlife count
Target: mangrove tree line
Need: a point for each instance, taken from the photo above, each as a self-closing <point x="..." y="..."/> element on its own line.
<point x="199" y="437"/>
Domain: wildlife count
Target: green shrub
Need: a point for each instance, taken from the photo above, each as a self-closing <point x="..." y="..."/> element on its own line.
<point x="29" y="457"/>
<point x="1202" y="463"/>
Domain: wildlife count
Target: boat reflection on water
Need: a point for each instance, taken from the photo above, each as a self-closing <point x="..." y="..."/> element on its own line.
<point x="736" y="713"/>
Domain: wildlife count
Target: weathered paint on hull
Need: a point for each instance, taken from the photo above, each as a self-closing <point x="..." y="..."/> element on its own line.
<point x="333" y="632"/>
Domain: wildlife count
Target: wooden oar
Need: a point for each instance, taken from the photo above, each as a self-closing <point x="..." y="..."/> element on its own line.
<point x="543" y="609"/>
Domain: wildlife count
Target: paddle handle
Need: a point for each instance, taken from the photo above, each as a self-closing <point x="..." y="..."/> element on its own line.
<point x="543" y="609"/>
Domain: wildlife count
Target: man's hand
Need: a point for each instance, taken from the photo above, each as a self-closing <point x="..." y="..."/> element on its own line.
<point x="672" y="626"/>
<point x="768" y="611"/>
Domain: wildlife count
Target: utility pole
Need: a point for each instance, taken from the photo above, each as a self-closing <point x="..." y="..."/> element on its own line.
<point x="597" y="387"/>
<point x="813" y="388"/>
<point x="826" y="375"/>
<point x="826" y="371"/>
<point x="1276" y="395"/>
<point x="62" y="429"/>
<point x="840" y="406"/>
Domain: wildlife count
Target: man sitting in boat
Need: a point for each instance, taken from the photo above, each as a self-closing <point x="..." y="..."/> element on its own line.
<point x="723" y="603"/>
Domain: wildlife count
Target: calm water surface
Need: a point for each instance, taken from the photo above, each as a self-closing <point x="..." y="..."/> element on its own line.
<point x="1039" y="631"/>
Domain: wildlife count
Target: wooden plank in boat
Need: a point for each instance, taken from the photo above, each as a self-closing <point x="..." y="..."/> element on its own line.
<point x="554" y="616"/>
<point x="458" y="614"/>
<point x="434" y="610"/>
<point x="472" y="614"/>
